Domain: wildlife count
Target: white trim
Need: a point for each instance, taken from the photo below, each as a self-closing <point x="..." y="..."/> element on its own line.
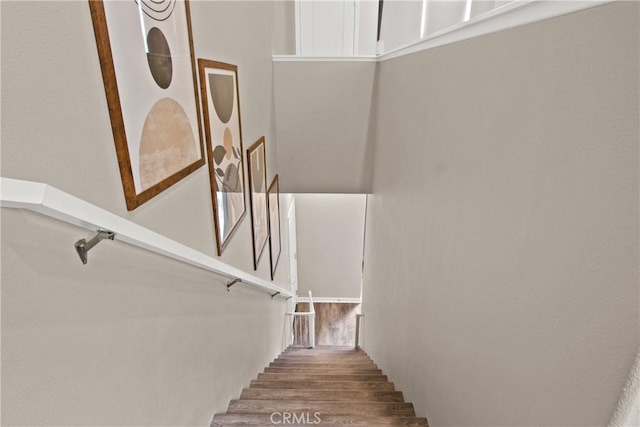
<point x="511" y="15"/>
<point x="423" y="19"/>
<point x="297" y="58"/>
<point x="296" y="7"/>
<point x="50" y="201"/>
<point x="515" y="14"/>
<point x="356" y="28"/>
<point x="348" y="27"/>
<point x="467" y="11"/>
<point x="331" y="300"/>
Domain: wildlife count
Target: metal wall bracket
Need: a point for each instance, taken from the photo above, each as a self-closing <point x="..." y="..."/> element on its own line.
<point x="233" y="282"/>
<point x="83" y="246"/>
<point x="277" y="293"/>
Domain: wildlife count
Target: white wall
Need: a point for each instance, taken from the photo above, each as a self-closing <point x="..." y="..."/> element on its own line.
<point x="330" y="244"/>
<point x="400" y="23"/>
<point x="407" y="21"/>
<point x="323" y="113"/>
<point x="284" y="27"/>
<point x="366" y="26"/>
<point x="129" y="339"/>
<point x="326" y="27"/>
<point x="443" y="14"/>
<point x="337" y="27"/>
<point x="502" y="234"/>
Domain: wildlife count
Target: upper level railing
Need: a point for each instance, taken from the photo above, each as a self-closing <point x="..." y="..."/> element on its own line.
<point x="359" y="325"/>
<point x="300" y="327"/>
<point x="50" y="201"/>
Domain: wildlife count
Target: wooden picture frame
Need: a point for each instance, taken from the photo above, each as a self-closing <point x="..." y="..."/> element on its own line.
<point x="275" y="242"/>
<point x="145" y="49"/>
<point x="258" y="198"/>
<point x="223" y="133"/>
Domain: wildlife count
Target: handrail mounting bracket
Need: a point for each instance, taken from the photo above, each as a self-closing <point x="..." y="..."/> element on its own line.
<point x="83" y="246"/>
<point x="231" y="283"/>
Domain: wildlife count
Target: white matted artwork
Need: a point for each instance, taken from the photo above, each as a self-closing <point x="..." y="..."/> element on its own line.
<point x="148" y="68"/>
<point x="221" y="105"/>
<point x="258" y="195"/>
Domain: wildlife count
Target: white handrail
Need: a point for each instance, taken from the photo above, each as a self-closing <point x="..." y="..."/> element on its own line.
<point x="50" y="201"/>
<point x="310" y="317"/>
<point x="312" y="326"/>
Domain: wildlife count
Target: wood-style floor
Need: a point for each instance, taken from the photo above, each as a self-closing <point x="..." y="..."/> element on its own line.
<point x="335" y="322"/>
<point x="322" y="386"/>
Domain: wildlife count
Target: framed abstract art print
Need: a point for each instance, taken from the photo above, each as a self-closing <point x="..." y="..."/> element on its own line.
<point x="146" y="56"/>
<point x="258" y="195"/>
<point x="274" y="224"/>
<point x="221" y="105"/>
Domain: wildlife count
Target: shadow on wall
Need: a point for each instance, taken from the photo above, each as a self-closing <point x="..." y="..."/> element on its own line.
<point x="335" y="322"/>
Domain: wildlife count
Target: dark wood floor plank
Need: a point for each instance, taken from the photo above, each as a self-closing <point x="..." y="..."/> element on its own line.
<point x="320" y="377"/>
<point x="325" y="385"/>
<point x="328" y="395"/>
<point x="352" y="371"/>
<point x="346" y="408"/>
<point x="265" y="420"/>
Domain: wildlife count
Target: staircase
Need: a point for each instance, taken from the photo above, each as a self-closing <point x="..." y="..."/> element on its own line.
<point x="321" y="386"/>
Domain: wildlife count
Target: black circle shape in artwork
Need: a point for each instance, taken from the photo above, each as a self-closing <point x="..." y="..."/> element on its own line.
<point x="159" y="58"/>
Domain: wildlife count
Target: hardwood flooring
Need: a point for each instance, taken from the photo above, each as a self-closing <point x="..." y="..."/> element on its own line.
<point x="326" y="386"/>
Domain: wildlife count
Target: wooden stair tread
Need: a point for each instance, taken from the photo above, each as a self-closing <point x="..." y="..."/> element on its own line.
<point x="358" y="408"/>
<point x="318" y="355"/>
<point x="341" y="385"/>
<point x="325" y="385"/>
<point x="333" y="357"/>
<point x="318" y="364"/>
<point x="319" y="352"/>
<point x="281" y="364"/>
<point x="318" y="348"/>
<point x="326" y="395"/>
<point x="330" y="420"/>
<point x="289" y="370"/>
<point x="320" y="377"/>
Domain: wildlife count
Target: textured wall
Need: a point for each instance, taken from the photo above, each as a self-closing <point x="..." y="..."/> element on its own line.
<point x="503" y="228"/>
<point x="130" y="339"/>
<point x="323" y="111"/>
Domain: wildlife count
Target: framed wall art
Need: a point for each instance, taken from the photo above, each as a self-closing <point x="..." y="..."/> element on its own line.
<point x="221" y="105"/>
<point x="146" y="55"/>
<point x="273" y="198"/>
<point x="258" y="195"/>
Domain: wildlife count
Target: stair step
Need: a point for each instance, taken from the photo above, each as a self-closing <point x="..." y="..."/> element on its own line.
<point x="325" y="385"/>
<point x="320" y="377"/>
<point x="331" y="348"/>
<point x="266" y="420"/>
<point x="327" y="395"/>
<point x="333" y="358"/>
<point x="311" y="364"/>
<point x="312" y="352"/>
<point x="320" y="371"/>
<point x="330" y="386"/>
<point x="324" y="350"/>
<point x="346" y="408"/>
